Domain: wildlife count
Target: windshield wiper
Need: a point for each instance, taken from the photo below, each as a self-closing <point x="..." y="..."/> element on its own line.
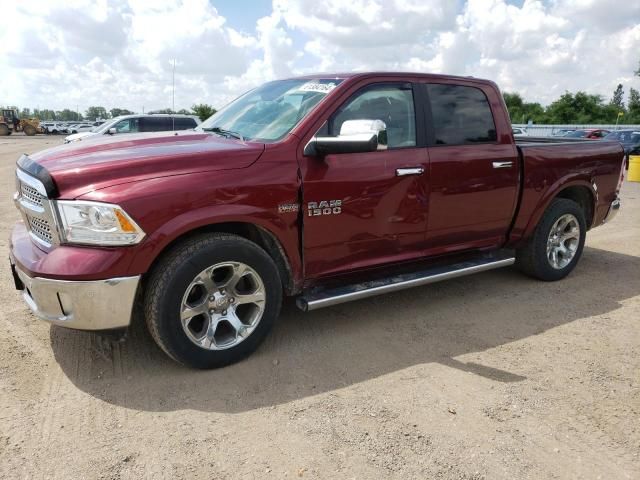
<point x="222" y="131"/>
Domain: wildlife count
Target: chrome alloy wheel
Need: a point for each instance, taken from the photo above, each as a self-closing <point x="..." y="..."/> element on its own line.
<point x="223" y="305"/>
<point x="563" y="241"/>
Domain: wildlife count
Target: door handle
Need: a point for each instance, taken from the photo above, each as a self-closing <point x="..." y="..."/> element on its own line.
<point x="401" y="172"/>
<point x="502" y="164"/>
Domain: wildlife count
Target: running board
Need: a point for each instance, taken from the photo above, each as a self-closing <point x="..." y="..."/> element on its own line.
<point x="320" y="298"/>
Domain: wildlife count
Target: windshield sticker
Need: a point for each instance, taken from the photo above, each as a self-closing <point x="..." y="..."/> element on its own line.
<point x="317" y="87"/>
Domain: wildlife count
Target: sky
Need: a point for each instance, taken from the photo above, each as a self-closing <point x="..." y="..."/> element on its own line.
<point x="119" y="53"/>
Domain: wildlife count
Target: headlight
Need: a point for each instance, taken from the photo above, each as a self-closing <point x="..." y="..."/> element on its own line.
<point x="96" y="223"/>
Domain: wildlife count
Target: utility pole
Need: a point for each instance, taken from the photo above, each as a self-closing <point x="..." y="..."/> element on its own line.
<point x="173" y="87"/>
<point x="173" y="95"/>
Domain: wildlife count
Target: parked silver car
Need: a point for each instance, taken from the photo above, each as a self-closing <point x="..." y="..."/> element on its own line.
<point x="139" y="123"/>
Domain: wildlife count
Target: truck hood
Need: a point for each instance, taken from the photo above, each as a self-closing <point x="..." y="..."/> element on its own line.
<point x="94" y="163"/>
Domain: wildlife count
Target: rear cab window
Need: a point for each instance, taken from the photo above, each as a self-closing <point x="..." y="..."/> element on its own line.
<point x="184" y="123"/>
<point x="461" y="115"/>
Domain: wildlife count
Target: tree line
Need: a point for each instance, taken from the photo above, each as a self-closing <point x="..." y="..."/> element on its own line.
<point x="202" y="110"/>
<point x="578" y="108"/>
<point x="571" y="108"/>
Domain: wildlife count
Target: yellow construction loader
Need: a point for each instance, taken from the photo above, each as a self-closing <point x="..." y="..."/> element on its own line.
<point x="10" y="122"/>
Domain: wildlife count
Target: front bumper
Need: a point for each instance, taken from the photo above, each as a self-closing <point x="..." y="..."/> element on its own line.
<point x="83" y="305"/>
<point x="614" y="208"/>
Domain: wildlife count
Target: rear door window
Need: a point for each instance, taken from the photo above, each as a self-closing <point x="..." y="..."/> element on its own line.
<point x="155" y="124"/>
<point x="461" y="115"/>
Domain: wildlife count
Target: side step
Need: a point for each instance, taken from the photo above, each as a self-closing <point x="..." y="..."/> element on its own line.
<point x="319" y="298"/>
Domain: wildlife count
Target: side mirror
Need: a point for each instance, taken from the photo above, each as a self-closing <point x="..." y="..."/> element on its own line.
<point x="356" y="136"/>
<point x="112" y="131"/>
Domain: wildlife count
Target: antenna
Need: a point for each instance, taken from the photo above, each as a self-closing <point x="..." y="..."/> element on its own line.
<point x="173" y="96"/>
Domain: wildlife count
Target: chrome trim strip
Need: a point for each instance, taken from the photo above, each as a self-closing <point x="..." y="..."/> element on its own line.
<point x="32" y="182"/>
<point x="308" y="305"/>
<point x="502" y="164"/>
<point x="400" y="172"/>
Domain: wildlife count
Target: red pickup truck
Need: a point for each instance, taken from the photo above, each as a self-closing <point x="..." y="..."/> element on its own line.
<point x="327" y="188"/>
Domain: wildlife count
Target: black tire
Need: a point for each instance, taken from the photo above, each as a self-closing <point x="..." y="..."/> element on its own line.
<point x="4" y="130"/>
<point x="29" y="130"/>
<point x="172" y="276"/>
<point x="532" y="258"/>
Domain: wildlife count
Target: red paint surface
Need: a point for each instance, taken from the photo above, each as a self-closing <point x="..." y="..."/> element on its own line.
<point x="172" y="184"/>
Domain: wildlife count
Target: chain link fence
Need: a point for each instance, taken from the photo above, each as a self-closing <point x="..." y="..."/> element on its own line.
<point x="551" y="130"/>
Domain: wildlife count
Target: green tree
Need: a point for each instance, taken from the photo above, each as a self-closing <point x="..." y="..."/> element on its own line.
<point x="93" y="113"/>
<point x="116" y="112"/>
<point x="203" y="110"/>
<point x="162" y="110"/>
<point x="521" y="111"/>
<point x="617" y="99"/>
<point x="634" y="106"/>
<point x="67" y="115"/>
<point x="580" y="107"/>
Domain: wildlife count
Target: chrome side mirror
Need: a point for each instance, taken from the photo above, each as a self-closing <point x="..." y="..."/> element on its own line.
<point x="112" y="131"/>
<point x="356" y="136"/>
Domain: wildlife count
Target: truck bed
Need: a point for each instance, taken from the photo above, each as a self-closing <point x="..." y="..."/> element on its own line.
<point x="527" y="140"/>
<point x="546" y="163"/>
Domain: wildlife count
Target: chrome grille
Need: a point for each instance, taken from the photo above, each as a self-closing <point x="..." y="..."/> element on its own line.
<point x="36" y="209"/>
<point x="40" y="228"/>
<point x="30" y="194"/>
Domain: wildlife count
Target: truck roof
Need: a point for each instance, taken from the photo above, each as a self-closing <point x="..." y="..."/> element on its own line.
<point x="431" y="76"/>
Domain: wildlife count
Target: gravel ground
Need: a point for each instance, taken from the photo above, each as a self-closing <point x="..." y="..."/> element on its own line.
<point x="489" y="376"/>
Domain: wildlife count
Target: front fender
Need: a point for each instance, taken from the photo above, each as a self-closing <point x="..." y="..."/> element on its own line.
<point x="169" y="207"/>
<point x="190" y="221"/>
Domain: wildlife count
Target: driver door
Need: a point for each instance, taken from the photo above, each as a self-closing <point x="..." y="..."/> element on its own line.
<point x="366" y="209"/>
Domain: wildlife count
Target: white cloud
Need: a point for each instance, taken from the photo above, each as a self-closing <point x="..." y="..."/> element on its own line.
<point x="119" y="52"/>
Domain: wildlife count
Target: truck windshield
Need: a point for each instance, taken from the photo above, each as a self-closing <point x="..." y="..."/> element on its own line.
<point x="106" y="125"/>
<point x="271" y="111"/>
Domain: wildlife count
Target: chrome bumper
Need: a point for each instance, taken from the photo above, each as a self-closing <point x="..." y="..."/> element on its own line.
<point x="613" y="210"/>
<point x="83" y="305"/>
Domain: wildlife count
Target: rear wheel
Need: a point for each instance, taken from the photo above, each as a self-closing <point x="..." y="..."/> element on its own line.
<point x="557" y="242"/>
<point x="213" y="300"/>
<point x="4" y="130"/>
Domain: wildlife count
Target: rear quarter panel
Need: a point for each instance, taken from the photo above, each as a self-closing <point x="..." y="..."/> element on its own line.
<point x="549" y="168"/>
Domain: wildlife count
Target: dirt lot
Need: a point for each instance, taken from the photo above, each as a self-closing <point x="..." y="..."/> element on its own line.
<point x="489" y="376"/>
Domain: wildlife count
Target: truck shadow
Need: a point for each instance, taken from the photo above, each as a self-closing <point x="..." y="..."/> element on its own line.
<point x="316" y="352"/>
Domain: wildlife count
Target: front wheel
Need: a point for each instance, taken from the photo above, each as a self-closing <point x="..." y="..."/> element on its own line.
<point x="212" y="300"/>
<point x="556" y="244"/>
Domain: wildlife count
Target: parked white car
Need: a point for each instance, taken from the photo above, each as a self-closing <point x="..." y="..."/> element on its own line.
<point x="53" y="127"/>
<point x="519" y="131"/>
<point x="80" y="127"/>
<point x="139" y="123"/>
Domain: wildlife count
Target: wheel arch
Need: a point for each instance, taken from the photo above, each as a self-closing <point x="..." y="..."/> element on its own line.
<point x="257" y="234"/>
<point x="583" y="196"/>
<point x="580" y="191"/>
